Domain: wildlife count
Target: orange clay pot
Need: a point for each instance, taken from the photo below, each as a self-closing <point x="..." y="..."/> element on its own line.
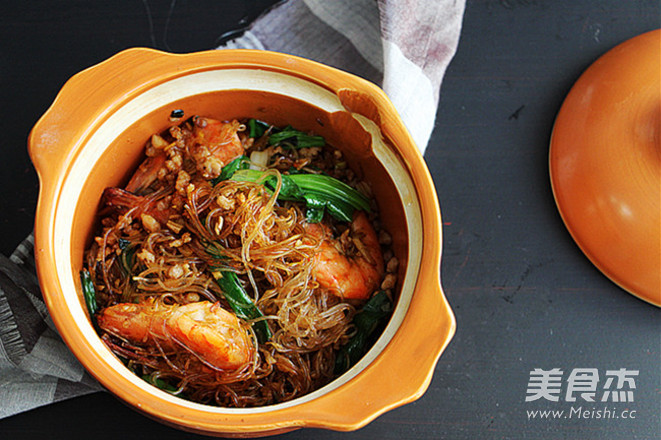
<point x="93" y="136"/>
<point x="605" y="165"/>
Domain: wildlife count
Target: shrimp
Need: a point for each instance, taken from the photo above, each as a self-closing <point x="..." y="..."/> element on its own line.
<point x="213" y="145"/>
<point x="147" y="208"/>
<point x="349" y="277"/>
<point x="146" y="173"/>
<point x="205" y="329"/>
<point x="216" y="144"/>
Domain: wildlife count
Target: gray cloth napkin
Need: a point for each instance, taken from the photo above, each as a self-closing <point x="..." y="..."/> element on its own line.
<point x="402" y="45"/>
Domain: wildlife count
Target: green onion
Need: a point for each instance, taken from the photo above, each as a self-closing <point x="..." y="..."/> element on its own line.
<point x="318" y="191"/>
<point x="374" y="315"/>
<point x="241" y="303"/>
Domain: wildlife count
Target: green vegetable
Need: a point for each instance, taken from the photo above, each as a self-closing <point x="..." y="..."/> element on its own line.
<point x="235" y="294"/>
<point x="319" y="192"/>
<point x="215" y="250"/>
<point x="294" y="137"/>
<point x="240" y="163"/>
<point x="126" y="261"/>
<point x="126" y="258"/>
<point x="340" y="199"/>
<point x="159" y="383"/>
<point x="241" y="303"/>
<point x="89" y="293"/>
<point x="374" y="314"/>
<point x="257" y="128"/>
<point x="315" y="210"/>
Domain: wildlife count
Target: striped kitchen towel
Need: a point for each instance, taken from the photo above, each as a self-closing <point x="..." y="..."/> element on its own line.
<point x="402" y="45"/>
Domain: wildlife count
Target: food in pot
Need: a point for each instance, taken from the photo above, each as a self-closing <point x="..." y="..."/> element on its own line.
<point x="242" y="264"/>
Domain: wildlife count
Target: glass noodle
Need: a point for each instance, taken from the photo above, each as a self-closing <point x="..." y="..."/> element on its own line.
<point x="238" y="282"/>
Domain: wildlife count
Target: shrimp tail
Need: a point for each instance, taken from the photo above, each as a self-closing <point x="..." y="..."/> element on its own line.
<point x="123" y="201"/>
<point x="146" y="173"/>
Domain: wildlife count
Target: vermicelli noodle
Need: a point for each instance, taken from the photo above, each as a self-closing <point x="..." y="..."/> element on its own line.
<point x="234" y="282"/>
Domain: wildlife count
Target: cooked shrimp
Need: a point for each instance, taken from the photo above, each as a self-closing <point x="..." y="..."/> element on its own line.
<point x="205" y="329"/>
<point x="146" y="173"/>
<point x="147" y="208"/>
<point x="351" y="277"/>
<point x="141" y="324"/>
<point x="216" y="144"/>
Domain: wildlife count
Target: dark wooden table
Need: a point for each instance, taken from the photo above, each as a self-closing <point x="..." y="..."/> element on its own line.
<point x="524" y="295"/>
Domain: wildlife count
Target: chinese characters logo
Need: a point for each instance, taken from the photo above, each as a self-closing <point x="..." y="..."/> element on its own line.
<point x="582" y="383"/>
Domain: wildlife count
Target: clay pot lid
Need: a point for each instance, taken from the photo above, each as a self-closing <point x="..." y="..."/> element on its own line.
<point x="605" y="165"/>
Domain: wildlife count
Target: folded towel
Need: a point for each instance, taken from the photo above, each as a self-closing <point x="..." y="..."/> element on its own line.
<point x="402" y="45"/>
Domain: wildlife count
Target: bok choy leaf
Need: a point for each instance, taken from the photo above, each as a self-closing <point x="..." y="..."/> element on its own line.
<point x="240" y="163"/>
<point x="295" y="138"/>
<point x="375" y="314"/>
<point x="241" y="303"/>
<point x="89" y="293"/>
<point x="318" y="191"/>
